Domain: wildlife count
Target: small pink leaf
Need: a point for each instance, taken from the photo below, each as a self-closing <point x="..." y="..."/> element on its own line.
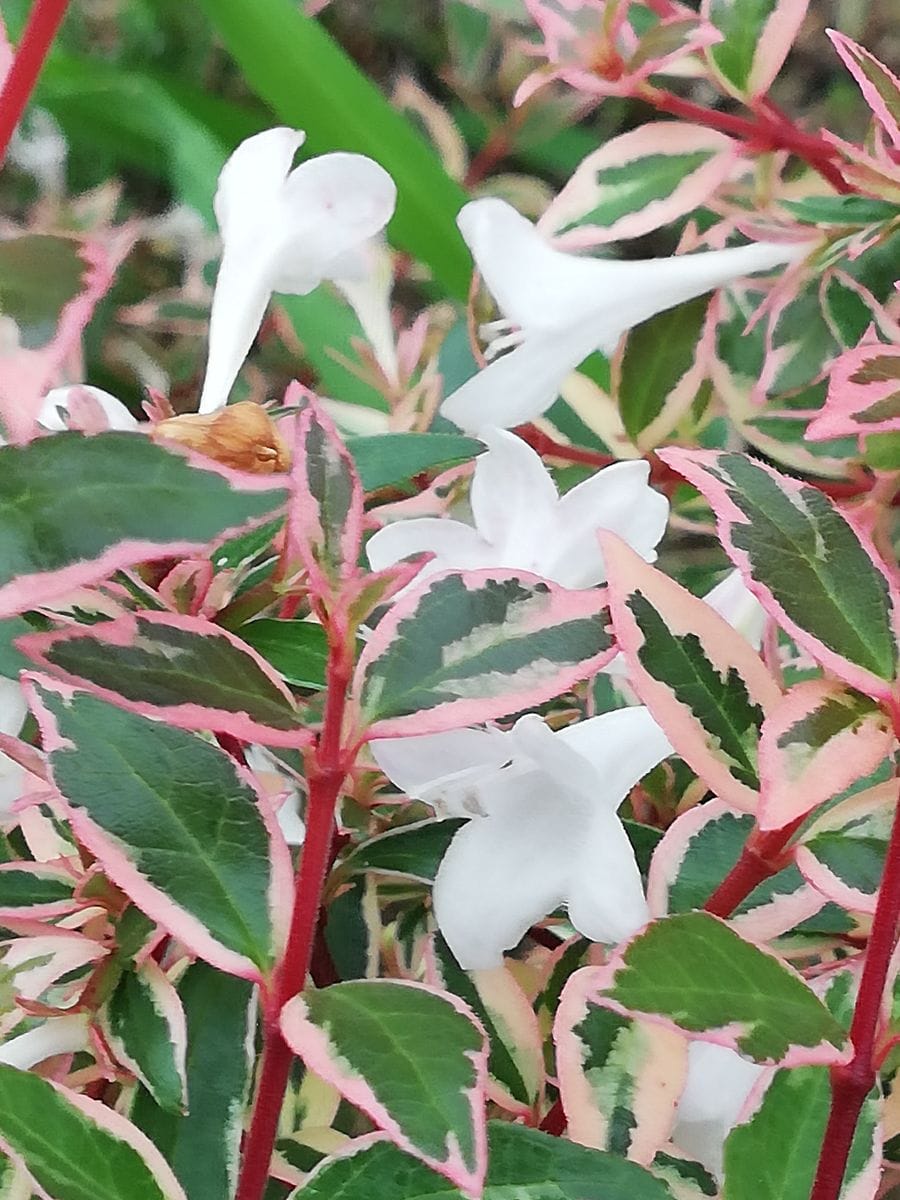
<point x="702" y="681"/>
<point x="863" y="395"/>
<point x="820" y="738"/>
<point x="879" y="85"/>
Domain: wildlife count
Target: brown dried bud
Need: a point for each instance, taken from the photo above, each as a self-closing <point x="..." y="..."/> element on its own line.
<point x="242" y="436"/>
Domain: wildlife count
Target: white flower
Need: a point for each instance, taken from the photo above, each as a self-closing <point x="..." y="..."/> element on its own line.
<point x="285" y="230"/>
<point x="719" y="1082"/>
<point x="281" y="790"/>
<point x="733" y="600"/>
<point x="58" y="1035"/>
<point x="559" y="307"/>
<point x="58" y="406"/>
<point x="521" y="521"/>
<point x="544" y="830"/>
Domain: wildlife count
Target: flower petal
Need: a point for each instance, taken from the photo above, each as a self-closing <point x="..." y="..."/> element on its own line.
<point x="733" y="600"/>
<point x="520" y="385"/>
<point x="513" y="500"/>
<point x="332" y="205"/>
<point x="252" y="180"/>
<point x="455" y="546"/>
<point x="718" y="1085"/>
<point x="443" y="768"/>
<point x="621" y="746"/>
<point x="503" y="872"/>
<point x="605" y="894"/>
<point x="617" y="498"/>
<point x="56" y="404"/>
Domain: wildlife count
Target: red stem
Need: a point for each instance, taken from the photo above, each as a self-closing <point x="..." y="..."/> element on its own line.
<point x="543" y="444"/>
<point x="760" y="858"/>
<point x="767" y="129"/>
<point x="850" y="1084"/>
<point x="43" y="22"/>
<point x="326" y="772"/>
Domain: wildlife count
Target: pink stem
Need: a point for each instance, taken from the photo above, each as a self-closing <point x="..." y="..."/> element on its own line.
<point x="326" y="772"/>
<point x="850" y="1084"/>
<point x="43" y="22"/>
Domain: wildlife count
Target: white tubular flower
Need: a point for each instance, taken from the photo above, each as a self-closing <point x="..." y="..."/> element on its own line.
<point x="285" y="230"/>
<point x="559" y="307"/>
<point x="719" y="1083"/>
<point x="733" y="600"/>
<point x="58" y="1035"/>
<point x="521" y="521"/>
<point x="544" y="829"/>
<point x="55" y="408"/>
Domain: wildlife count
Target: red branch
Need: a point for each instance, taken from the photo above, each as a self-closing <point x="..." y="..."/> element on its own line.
<point x="850" y="1084"/>
<point x="326" y="772"/>
<point x="767" y="129"/>
<point x="761" y="857"/>
<point x="43" y="22"/>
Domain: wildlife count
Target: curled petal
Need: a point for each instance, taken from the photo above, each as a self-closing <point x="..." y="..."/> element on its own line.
<point x="621" y="746"/>
<point x="513" y="500"/>
<point x="605" y="894"/>
<point x="252" y="181"/>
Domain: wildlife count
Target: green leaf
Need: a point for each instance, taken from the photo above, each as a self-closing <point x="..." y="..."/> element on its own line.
<point x="773" y="1155"/>
<point x="697" y="972"/>
<point x="737" y="57"/>
<point x="658" y="355"/>
<point x="12" y="661"/>
<point x="39" y="275"/>
<point x="410" y="1057"/>
<point x="33" y="885"/>
<point x="298" y="650"/>
<point x="469" y="647"/>
<point x="412" y="851"/>
<point x="76" y="1148"/>
<point x="144" y="1023"/>
<point x="310" y="83"/>
<point x="202" y="1146"/>
<point x="524" y="1164"/>
<point x="388" y="459"/>
<point x="59" y="529"/>
<point x="183" y="668"/>
<point x="632" y="186"/>
<point x="172" y="822"/>
<point x="840" y="210"/>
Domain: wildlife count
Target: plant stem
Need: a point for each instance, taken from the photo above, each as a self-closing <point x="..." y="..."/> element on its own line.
<point x="760" y="858"/>
<point x="43" y="22"/>
<point x="767" y="129"/>
<point x="850" y="1084"/>
<point x="326" y="772"/>
<point x="547" y="446"/>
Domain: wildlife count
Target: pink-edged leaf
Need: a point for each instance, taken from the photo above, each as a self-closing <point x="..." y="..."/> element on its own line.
<point x="639" y="181"/>
<point x="325" y="517"/>
<point x="878" y="84"/>
<point x="619" y="1077"/>
<point x="702" y="681"/>
<point x="36" y="890"/>
<point x="842" y="853"/>
<point x="72" y="277"/>
<point x="863" y="395"/>
<point x="468" y="647"/>
<point x="694" y="973"/>
<point x="414" y="1059"/>
<point x="75" y="509"/>
<point x="183" y="670"/>
<point x="145" y="1025"/>
<point x="40" y="955"/>
<point x="73" y="1147"/>
<point x="815" y="574"/>
<point x="699" y="849"/>
<point x="175" y="823"/>
<point x="516" y="1059"/>
<point x="755" y="41"/>
<point x="820" y="739"/>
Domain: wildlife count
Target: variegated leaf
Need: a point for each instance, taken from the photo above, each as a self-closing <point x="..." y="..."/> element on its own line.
<point x="468" y="647"/>
<point x="756" y="38"/>
<point x="638" y="182"/>
<point x="704" y="683"/>
<point x="816" y="575"/>
<point x="863" y="395"/>
<point x="819" y="740"/>
<point x="878" y="83"/>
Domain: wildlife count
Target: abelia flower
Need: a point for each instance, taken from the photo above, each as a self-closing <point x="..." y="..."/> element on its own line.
<point x="559" y="307"/>
<point x="286" y="230"/>
<point x="521" y="521"/>
<point x="543" y="829"/>
<point x="718" y="1085"/>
